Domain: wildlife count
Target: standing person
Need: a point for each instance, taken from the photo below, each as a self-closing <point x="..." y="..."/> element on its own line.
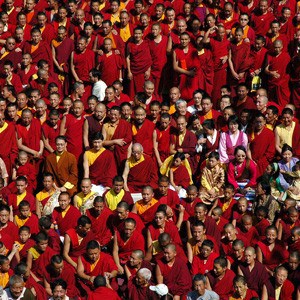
<point x="138" y="59"/>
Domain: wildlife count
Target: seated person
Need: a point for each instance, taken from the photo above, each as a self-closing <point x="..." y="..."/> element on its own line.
<point x="248" y="230"/>
<point x="191" y="200"/>
<point x="24" y="243"/>
<point x="293" y="191"/>
<point x="92" y="263"/>
<point x="102" y="290"/>
<point x="261" y="214"/>
<point x="17" y="288"/>
<point x="217" y="215"/>
<point x="241" y="289"/>
<point x="117" y="194"/>
<point x="240" y="210"/>
<point x="5" y="271"/>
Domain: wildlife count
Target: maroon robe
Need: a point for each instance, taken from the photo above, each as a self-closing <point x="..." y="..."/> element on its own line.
<point x="137" y="292"/>
<point x="286" y="292"/>
<point x="14" y="56"/>
<point x="163" y="140"/>
<point x="33" y="223"/>
<point x="203" y="266"/>
<point x="50" y="133"/>
<point x="9" y="234"/>
<point x="12" y="201"/>
<point x="171" y="199"/>
<point x="103" y="293"/>
<point x="207" y="65"/>
<point x="261" y="23"/>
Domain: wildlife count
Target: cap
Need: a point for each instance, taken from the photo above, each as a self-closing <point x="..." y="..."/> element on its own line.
<point x="160" y="289"/>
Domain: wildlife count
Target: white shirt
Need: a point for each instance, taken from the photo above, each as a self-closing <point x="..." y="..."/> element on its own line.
<point x="99" y="90"/>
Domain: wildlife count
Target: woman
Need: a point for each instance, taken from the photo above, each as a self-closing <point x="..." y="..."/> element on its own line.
<point x="231" y="139"/>
<point x="241" y="290"/>
<point x="287" y="164"/>
<point x="242" y="172"/>
<point x="212" y="137"/>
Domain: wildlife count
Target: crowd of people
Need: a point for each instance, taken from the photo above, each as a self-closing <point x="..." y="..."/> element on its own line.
<point x="150" y="149"/>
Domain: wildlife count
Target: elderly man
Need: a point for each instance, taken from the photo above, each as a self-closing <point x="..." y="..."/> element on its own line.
<point x="17" y="289"/>
<point x="139" y="170"/>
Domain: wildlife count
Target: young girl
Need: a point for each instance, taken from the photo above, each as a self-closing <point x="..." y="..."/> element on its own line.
<point x="212" y="179"/>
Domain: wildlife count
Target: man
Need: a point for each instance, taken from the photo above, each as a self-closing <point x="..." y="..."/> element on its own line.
<point x="38" y="48"/>
<point x="82" y="61"/>
<point x="199" y="285"/>
<point x="124" y="27"/>
<point x="207" y="111"/>
<point x="65" y="216"/>
<point x="126" y="241"/>
<point x="98" y="158"/>
<point x="278" y="76"/>
<point x="135" y="263"/>
<point x="9" y="77"/>
<point x="117" y="136"/>
<point x="29" y="136"/>
<point x="63" y="166"/>
<point x="62" y="47"/>
<point x="8" y="146"/>
<point x="138" y="59"/>
<point x="254" y="272"/>
<point x="22" y="102"/>
<point x="9" y="231"/>
<point x="93" y="124"/>
<point x="99" y="215"/>
<point x="261" y="144"/>
<point x="72" y="128"/>
<point x="58" y="269"/>
<point x="272" y="115"/>
<point x="243" y="101"/>
<point x="41" y="111"/>
<point x="139" y="170"/>
<point x="94" y="262"/>
<point x="184" y="141"/>
<point x="102" y="290"/>
<point x="59" y="290"/>
<point x="173" y="272"/>
<point x="11" y="53"/>
<point x="46" y="28"/>
<point x="99" y="86"/>
<point x="142" y="131"/>
<point x="78" y="91"/>
<point x="220" y="279"/>
<point x="117" y="194"/>
<point x="17" y="290"/>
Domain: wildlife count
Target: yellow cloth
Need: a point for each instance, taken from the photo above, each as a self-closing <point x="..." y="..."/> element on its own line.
<point x="134" y="130"/>
<point x="4" y="278"/>
<point x="21" y="197"/>
<point x="110" y="129"/>
<point x="55" y="43"/>
<point x="181" y="138"/>
<point x="21" y="222"/>
<point x="114" y="199"/>
<point x="156" y="247"/>
<point x="94" y="265"/>
<point x="4" y="54"/>
<point x="226" y="205"/>
<point x="81" y="198"/>
<point x="277" y="292"/>
<point x="34" y="252"/>
<point x="42" y="29"/>
<point x="125" y="33"/>
<point x="132" y="162"/>
<point x="92" y="155"/>
<point x="102" y="5"/>
<point x="172" y="109"/>
<point x="195" y="248"/>
<point x="58" y="156"/>
<point x="141" y="207"/>
<point x="34" y="47"/>
<point x="111" y="36"/>
<point x="68" y="185"/>
<point x="63" y="213"/>
<point x="115" y="18"/>
<point x="44" y="194"/>
<point x="3" y="127"/>
<point x="21" y="246"/>
<point x="208" y="115"/>
<point x="285" y="136"/>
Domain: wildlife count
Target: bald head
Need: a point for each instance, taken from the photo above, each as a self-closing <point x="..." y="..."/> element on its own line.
<point x="171" y="247"/>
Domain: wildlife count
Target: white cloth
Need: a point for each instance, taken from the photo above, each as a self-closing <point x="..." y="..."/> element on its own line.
<point x="99" y="90"/>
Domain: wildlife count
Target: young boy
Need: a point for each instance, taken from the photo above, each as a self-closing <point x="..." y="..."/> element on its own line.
<point x="220" y="220"/>
<point x="5" y="271"/>
<point x="248" y="230"/>
<point x="191" y="200"/>
<point x="67" y="105"/>
<point x="24" y="242"/>
<point x="242" y="207"/>
<point x="261" y="214"/>
<point x="26" y="218"/>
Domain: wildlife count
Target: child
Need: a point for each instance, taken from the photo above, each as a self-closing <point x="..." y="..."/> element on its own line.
<point x="212" y="179"/>
<point x="54" y="100"/>
<point x="226" y="203"/>
<point x="24" y="168"/>
<point x="179" y="175"/>
<point x="248" y="230"/>
<point x="294" y="242"/>
<point x="191" y="200"/>
<point x="285" y="226"/>
<point x="220" y="220"/>
<point x="5" y="271"/>
<point x="92" y="102"/>
<point x="24" y="242"/>
<point x="67" y="104"/>
<point x="110" y="97"/>
<point x="25" y="217"/>
<point x="154" y="115"/>
<point x="261" y="214"/>
<point x="242" y="207"/>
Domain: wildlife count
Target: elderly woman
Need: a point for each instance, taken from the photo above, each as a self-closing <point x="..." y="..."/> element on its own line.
<point x="231" y="139"/>
<point x="242" y="172"/>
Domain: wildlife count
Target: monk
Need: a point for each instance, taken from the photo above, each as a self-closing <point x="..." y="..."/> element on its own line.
<point x="125" y="242"/>
<point x="142" y="131"/>
<point x="220" y="280"/>
<point x="58" y="268"/>
<point x="37" y="48"/>
<point x="63" y="166"/>
<point x="8" y="146"/>
<point x="254" y="272"/>
<point x="139" y="170"/>
<point x="99" y="215"/>
<point x="62" y="47"/>
<point x="173" y="272"/>
<point x="138" y="59"/>
<point x="65" y="216"/>
<point x="117" y="136"/>
<point x="262" y="144"/>
<point x="76" y="240"/>
<point x="72" y="127"/>
<point x="94" y="262"/>
<point x="82" y="61"/>
<point x="276" y="69"/>
<point x="98" y="158"/>
<point x="10" y="53"/>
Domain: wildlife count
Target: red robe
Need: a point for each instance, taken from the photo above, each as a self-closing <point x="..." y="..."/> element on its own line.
<point x="226" y="245"/>
<point x="279" y="87"/>
<point x="257" y="59"/>
<point x="227" y="214"/>
<point x="261" y="23"/>
<point x="14" y="56"/>
<point x="143" y="136"/>
<point x="206" y="63"/>
<point x="33" y="223"/>
<point x="142" y="174"/>
<point x="203" y="266"/>
<point x="9" y="234"/>
<point x="163" y="140"/>
<point x="286" y="292"/>
<point x="83" y="63"/>
<point x="12" y="201"/>
<point x="74" y="134"/>
<point x="262" y="148"/>
<point x="261" y="227"/>
<point x="54" y="241"/>
<point x="137" y="292"/>
<point x="68" y="221"/>
<point x="105" y="161"/>
<point x="181" y="176"/>
<point x="103" y="293"/>
<point x="223" y="287"/>
<point x="50" y="133"/>
<point x="171" y="199"/>
<point x="99" y="228"/>
<point x="26" y="77"/>
<point x="177" y="277"/>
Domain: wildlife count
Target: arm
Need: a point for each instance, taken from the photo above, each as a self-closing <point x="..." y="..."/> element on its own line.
<point x="125" y="176"/>
<point x="29" y="260"/>
<point x="80" y="271"/>
<point x="169" y="45"/>
<point x="38" y="208"/>
<point x="76" y="201"/>
<point x="264" y="295"/>
<point x="159" y="277"/>
<point x="223" y="149"/>
<point x="233" y="72"/>
<point x="86" y="169"/>
<point x="46" y="143"/>
<point x="279" y="231"/>
<point x="277" y="141"/>
<point x="259" y="255"/>
<point x="179" y="69"/>
<point x="116" y="255"/>
<point x="148" y="256"/>
<point x="129" y="75"/>
<point x="155" y="147"/>
<point x="63" y="129"/>
<point x="134" y="210"/>
<point x="171" y="177"/>
<point x="73" y="68"/>
<point x="25" y="148"/>
<point x="189" y="252"/>
<point x="66" y="250"/>
<point x="188" y="229"/>
<point x="86" y="136"/>
<point x="54" y="59"/>
<point x="180" y="217"/>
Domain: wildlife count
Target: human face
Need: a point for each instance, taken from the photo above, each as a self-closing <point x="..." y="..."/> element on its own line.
<point x="86" y="187"/>
<point x="233" y="127"/>
<point x="78" y="109"/>
<point x="30" y="4"/>
<point x="114" y="116"/>
<point x="244" y="117"/>
<point x="83" y="230"/>
<point x="2" y="119"/>
<point x="155" y="110"/>
<point x="40" y="109"/>
<point x="42" y="245"/>
<point x="218" y="270"/>
<point x="62" y="14"/>
<point x="228" y="10"/>
<point x="97" y="144"/>
<point x="205" y="251"/>
<point x="48" y="183"/>
<point x="258" y="45"/>
<point x="212" y="162"/>
<point x="25" y="211"/>
<point x="259" y="123"/>
<point x="293" y="217"/>
<point x="293" y="263"/>
<point x="134" y="260"/>
<point x="249" y="257"/>
<point x="110" y="94"/>
<point x="224" y="102"/>
<point x="122" y="213"/>
<point x="10" y="44"/>
<point x="242" y="92"/>
<point x="174" y="95"/>
<point x="107" y="45"/>
<point x="92" y="104"/>
<point x="270" y="116"/>
<point x="159" y="12"/>
<point x="287" y="119"/>
<point x="53" y="119"/>
<point x="59" y="293"/>
<point x="238" y="36"/>
<point x="163" y="188"/>
<point x="170" y="16"/>
<point x="79" y="16"/>
<point x="240" y="156"/>
<point x="67" y="104"/>
<point x="21" y="186"/>
<point x="287" y="156"/>
<point x="230" y="234"/>
<point x="192" y="195"/>
<point x="277" y="48"/>
<point x="247" y="225"/>
<point x="137" y="153"/>
<point x="81" y="45"/>
<point x="228" y="194"/>
<point x="88" y="30"/>
<point x="244" y="20"/>
<point x="118" y="186"/>
<point x="149" y="90"/>
<point x="181" y="27"/>
<point x="261" y="104"/>
<point x="177" y="162"/>
<point x="160" y="219"/>
<point x="275" y="28"/>
<point x="61" y="145"/>
<point x="155" y="31"/>
<point x="169" y="254"/>
<point x="138" y="35"/>
<point x="227" y="113"/>
<point x="263" y="6"/>
<point x="140" y="116"/>
<point x="129" y="229"/>
<point x="93" y="254"/>
<point x="98" y="207"/>
<point x="181" y="108"/>
<point x="221" y="33"/>
<point x="242" y="206"/>
<point x="36" y="37"/>
<point x="240" y="288"/>
<point x="124" y="19"/>
<point x="144" y="20"/>
<point x="24" y="236"/>
<point x="200" y="213"/>
<point x="181" y="125"/>
<point x="140" y="280"/>
<point x="64" y="202"/>
<point x="198" y="232"/>
<point x="4" y="216"/>
<point x="197" y="99"/>
<point x="271" y="236"/>
<point x="206" y="105"/>
<point x="12" y="112"/>
<point x="16" y="289"/>
<point x="41" y="20"/>
<point x="281" y="277"/>
<point x="147" y="195"/>
<point x="35" y="96"/>
<point x="58" y="267"/>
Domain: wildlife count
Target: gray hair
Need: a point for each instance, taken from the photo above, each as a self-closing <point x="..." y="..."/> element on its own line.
<point x="138" y="145"/>
<point x="15" y="279"/>
<point x="145" y="273"/>
<point x="180" y="101"/>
